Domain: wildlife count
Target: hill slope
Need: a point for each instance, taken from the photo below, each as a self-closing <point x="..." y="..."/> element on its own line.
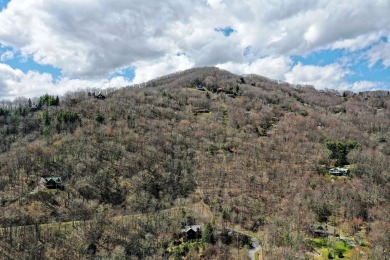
<point x="252" y="149"/>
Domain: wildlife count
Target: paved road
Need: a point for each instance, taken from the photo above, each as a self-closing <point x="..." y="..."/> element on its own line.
<point x="255" y="247"/>
<point x="254" y="243"/>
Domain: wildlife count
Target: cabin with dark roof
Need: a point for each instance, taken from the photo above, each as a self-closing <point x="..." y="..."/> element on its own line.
<point x="200" y="87"/>
<point x="201" y="111"/>
<point x="100" y="96"/>
<point x="319" y="230"/>
<point x="193" y="232"/>
<point x="53" y="182"/>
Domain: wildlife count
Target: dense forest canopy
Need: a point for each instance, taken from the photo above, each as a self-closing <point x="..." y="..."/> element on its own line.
<point x="248" y="151"/>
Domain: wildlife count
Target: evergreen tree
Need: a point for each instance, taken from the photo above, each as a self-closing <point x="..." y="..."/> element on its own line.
<point x="207" y="234"/>
<point x="340" y="150"/>
<point x="45" y="118"/>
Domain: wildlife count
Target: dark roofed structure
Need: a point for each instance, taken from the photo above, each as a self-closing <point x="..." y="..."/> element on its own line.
<point x="100" y="96"/>
<point x="339" y="171"/>
<point x="200" y="87"/>
<point x="193" y="232"/>
<point x="54" y="183"/>
<point x="201" y="110"/>
<point x="318" y="230"/>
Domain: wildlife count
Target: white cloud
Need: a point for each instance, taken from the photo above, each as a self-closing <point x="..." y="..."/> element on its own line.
<point x="364" y="85"/>
<point x="330" y="76"/>
<point x="358" y="43"/>
<point x="380" y="52"/>
<point x="271" y="67"/>
<point x="7" y="55"/>
<point x="150" y="70"/>
<point x="90" y="40"/>
<point x="215" y="4"/>
<point x="312" y="34"/>
<point x="15" y="83"/>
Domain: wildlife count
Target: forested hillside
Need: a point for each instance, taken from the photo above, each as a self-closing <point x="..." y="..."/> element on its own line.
<point x="204" y="145"/>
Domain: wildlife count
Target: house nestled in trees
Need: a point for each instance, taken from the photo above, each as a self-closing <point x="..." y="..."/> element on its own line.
<point x="201" y="111"/>
<point x="100" y="96"/>
<point x="200" y="87"/>
<point x="339" y="171"/>
<point x="193" y="232"/>
<point x="54" y="183"/>
<point x="318" y="230"/>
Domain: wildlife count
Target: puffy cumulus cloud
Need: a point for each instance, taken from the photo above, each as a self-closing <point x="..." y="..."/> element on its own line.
<point x="364" y="85"/>
<point x="7" y="55"/>
<point x="343" y="20"/>
<point x="15" y="83"/>
<point x="271" y="67"/>
<point x="215" y="4"/>
<point x="288" y="27"/>
<point x="357" y="43"/>
<point x="90" y="40"/>
<point x="149" y="70"/>
<point x="330" y="76"/>
<point x="67" y="84"/>
<point x="95" y="37"/>
<point x="379" y="53"/>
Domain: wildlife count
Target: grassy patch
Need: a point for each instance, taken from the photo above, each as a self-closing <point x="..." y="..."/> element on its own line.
<point x="318" y="242"/>
<point x="330" y="248"/>
<point x="184" y="248"/>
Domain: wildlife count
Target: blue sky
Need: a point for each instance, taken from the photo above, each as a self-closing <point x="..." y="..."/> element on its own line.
<point x="3" y="4"/>
<point x="59" y="46"/>
<point x="358" y="66"/>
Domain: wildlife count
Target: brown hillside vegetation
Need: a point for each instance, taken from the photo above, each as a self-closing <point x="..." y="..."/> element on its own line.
<point x="245" y="153"/>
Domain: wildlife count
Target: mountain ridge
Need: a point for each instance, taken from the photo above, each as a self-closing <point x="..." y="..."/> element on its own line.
<point x="250" y="149"/>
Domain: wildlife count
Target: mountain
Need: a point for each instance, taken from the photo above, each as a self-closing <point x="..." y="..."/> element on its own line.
<point x="248" y="155"/>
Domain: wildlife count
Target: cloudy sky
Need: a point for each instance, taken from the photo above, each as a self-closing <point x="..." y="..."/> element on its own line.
<point x="55" y="46"/>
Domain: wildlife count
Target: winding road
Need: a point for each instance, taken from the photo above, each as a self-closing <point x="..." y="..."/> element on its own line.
<point x="255" y="247"/>
<point x="254" y="243"/>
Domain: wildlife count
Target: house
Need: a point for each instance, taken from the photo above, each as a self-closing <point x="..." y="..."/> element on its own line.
<point x="219" y="90"/>
<point x="100" y="96"/>
<point x="200" y="87"/>
<point x="53" y="182"/>
<point x="201" y="110"/>
<point x="227" y="92"/>
<point x="339" y="171"/>
<point x="319" y="230"/>
<point x="193" y="232"/>
<point x="34" y="108"/>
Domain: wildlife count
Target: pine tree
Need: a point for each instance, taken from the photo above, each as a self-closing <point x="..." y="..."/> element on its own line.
<point x="207" y="234"/>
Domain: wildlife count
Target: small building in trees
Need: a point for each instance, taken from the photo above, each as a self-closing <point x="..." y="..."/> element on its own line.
<point x="34" y="108"/>
<point x="319" y="230"/>
<point x="100" y="96"/>
<point x="339" y="171"/>
<point x="201" y="111"/>
<point x="193" y="232"/>
<point x="53" y="182"/>
<point x="200" y="87"/>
